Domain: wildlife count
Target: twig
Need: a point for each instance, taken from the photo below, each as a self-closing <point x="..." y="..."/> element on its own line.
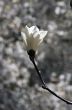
<point x="44" y="85"/>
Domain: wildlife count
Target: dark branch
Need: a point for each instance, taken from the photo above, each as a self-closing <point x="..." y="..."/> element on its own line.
<point x="44" y="85"/>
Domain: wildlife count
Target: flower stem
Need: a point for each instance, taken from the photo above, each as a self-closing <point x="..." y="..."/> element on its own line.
<point x="44" y="85"/>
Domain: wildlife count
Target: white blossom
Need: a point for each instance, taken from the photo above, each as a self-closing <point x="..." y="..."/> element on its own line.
<point x="32" y="37"/>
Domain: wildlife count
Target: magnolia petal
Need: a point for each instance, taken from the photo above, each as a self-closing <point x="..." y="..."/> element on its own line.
<point x="29" y="43"/>
<point x="23" y="36"/>
<point x="43" y="34"/>
<point x="35" y="43"/>
<point x="36" y="34"/>
<point x="27" y="27"/>
<point x="26" y="31"/>
<point x="33" y="29"/>
<point x="24" y="40"/>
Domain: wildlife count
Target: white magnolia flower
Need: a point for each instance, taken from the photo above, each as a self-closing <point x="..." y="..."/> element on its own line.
<point x="32" y="37"/>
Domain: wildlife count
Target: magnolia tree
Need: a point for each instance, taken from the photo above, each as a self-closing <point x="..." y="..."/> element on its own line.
<point x="32" y="38"/>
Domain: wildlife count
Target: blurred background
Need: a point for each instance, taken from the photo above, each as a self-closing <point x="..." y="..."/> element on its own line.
<point x="20" y="87"/>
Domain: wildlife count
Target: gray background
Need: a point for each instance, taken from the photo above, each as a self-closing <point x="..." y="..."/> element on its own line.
<point x="20" y="88"/>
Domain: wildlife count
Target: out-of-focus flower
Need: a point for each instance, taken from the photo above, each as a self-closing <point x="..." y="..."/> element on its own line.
<point x="32" y="38"/>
